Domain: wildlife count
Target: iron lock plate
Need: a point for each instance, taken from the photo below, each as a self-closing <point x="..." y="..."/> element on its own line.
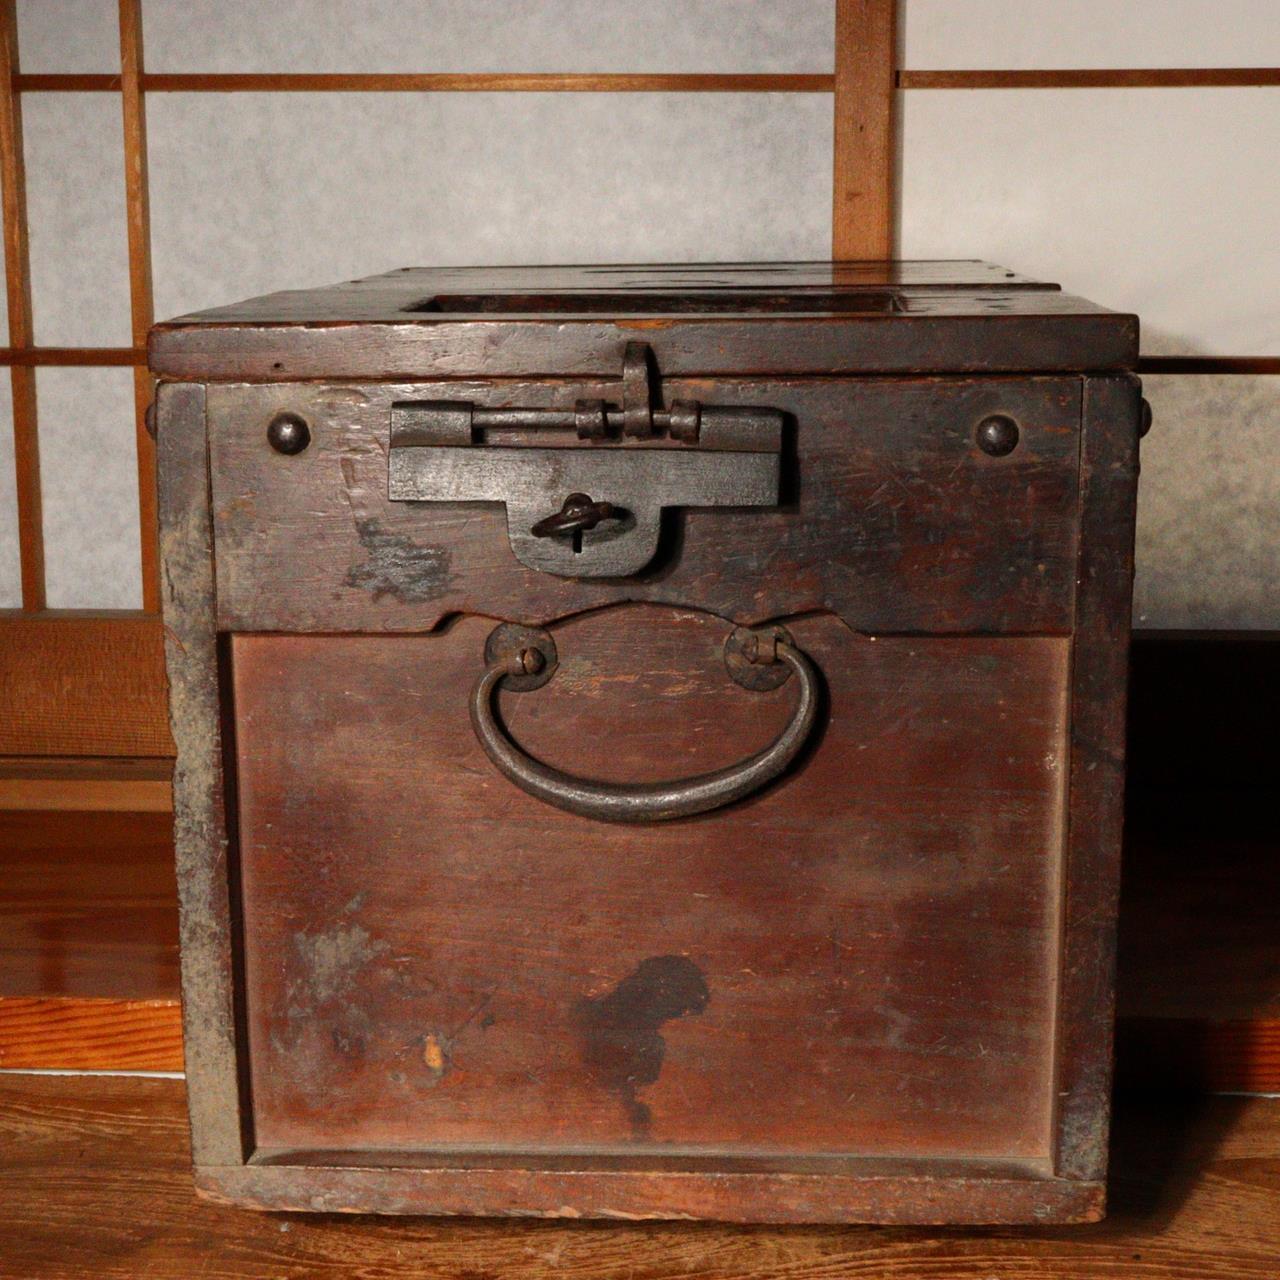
<point x="591" y="509"/>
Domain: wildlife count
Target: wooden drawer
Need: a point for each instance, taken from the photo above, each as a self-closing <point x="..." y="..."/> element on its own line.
<point x="855" y="963"/>
<point x="891" y="514"/>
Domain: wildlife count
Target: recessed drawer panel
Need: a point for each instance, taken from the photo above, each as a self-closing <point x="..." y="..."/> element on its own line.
<point x="857" y="961"/>
<point x="941" y="505"/>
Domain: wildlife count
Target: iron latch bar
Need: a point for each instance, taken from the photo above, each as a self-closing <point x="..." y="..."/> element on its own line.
<point x="594" y="510"/>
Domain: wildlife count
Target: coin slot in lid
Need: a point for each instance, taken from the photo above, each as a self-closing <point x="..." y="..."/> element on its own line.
<point x="651" y="302"/>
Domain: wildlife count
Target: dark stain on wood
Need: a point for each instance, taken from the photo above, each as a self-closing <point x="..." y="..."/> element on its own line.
<point x="621" y="1042"/>
<point x="397" y="566"/>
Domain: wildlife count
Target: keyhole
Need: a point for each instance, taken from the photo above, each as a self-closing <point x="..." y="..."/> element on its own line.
<point x="577" y="542"/>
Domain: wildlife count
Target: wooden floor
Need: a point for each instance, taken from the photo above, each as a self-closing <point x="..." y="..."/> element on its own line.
<point x="94" y="1182"/>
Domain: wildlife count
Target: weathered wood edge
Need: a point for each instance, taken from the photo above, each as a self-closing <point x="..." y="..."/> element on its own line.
<point x="646" y="1194"/>
<point x="1099" y="682"/>
<point x="200" y="828"/>
<point x="1000" y="342"/>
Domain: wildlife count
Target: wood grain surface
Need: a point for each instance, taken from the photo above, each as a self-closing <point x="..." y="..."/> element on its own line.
<point x="88" y="906"/>
<point x="203" y="798"/>
<point x="75" y="684"/>
<point x="95" y="1180"/>
<point x="857" y="962"/>
<point x="86" y="784"/>
<point x="864" y="141"/>
<point x="1095" y="818"/>
<point x="79" y="1034"/>
<point x="948" y="317"/>
<point x="1199" y="970"/>
<point x="88" y="942"/>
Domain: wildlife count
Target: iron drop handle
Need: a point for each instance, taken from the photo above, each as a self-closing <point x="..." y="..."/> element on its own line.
<point x="526" y="658"/>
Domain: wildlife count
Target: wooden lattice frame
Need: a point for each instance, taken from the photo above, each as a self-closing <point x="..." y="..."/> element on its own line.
<point x="78" y="716"/>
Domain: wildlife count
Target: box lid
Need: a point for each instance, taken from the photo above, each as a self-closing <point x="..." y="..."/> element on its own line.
<point x="779" y="318"/>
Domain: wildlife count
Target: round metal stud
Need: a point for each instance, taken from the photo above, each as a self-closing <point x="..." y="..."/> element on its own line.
<point x="997" y="435"/>
<point x="288" y="433"/>
<point x="1144" y="422"/>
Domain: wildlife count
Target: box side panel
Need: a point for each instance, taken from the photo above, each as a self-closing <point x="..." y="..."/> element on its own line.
<point x="200" y="829"/>
<point x="1099" y="682"/>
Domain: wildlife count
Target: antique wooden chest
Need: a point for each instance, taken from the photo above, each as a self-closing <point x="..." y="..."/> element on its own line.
<point x="650" y="739"/>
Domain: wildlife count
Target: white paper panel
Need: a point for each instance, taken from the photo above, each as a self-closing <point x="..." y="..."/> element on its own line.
<point x="89" y="478"/>
<point x="1163" y="202"/>
<point x="10" y="565"/>
<point x="252" y="193"/>
<point x="990" y="34"/>
<point x="489" y="35"/>
<point x="1209" y="504"/>
<point x="75" y="203"/>
<point x="68" y="35"/>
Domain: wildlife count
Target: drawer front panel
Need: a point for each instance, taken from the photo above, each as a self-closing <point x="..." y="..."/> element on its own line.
<point x="860" y="960"/>
<point x="891" y="515"/>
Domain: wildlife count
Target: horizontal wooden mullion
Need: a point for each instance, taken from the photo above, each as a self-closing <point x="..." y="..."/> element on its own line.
<point x="1096" y="78"/>
<point x="1210" y="364"/>
<point x="497" y="82"/>
<point x="437" y="82"/>
<point x="648" y="82"/>
<point x="65" y="82"/>
<point x="86" y="357"/>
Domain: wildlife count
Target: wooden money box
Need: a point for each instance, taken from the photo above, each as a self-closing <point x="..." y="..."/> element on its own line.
<point x="650" y="739"/>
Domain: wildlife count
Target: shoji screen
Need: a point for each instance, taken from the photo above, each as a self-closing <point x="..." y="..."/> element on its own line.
<point x="176" y="154"/>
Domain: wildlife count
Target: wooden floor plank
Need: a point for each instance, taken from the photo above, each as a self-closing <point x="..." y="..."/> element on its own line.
<point x="77" y="1034"/>
<point x="86" y="784"/>
<point x="94" y="1181"/>
<point x="88" y="905"/>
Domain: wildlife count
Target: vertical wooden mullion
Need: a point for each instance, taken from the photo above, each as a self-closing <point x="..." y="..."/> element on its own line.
<point x="862" y="207"/>
<point x="17" y="259"/>
<point x="138" y="219"/>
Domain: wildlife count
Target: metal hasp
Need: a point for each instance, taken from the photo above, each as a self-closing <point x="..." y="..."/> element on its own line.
<point x="594" y="509"/>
